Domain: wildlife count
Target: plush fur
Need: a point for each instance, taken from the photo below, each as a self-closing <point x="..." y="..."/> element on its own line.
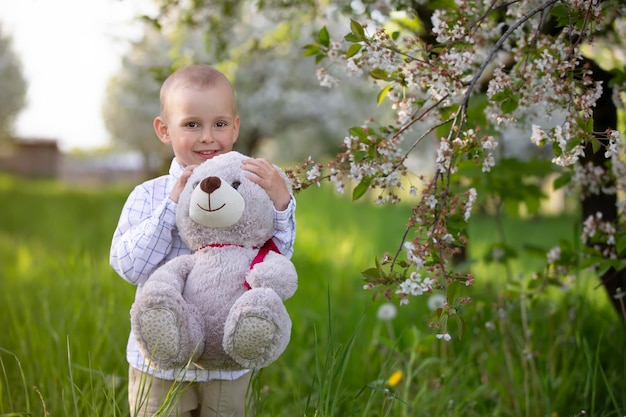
<point x="196" y="308"/>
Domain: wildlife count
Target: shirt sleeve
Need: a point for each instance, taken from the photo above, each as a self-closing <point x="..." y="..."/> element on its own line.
<point x="143" y="237"/>
<point x="285" y="228"/>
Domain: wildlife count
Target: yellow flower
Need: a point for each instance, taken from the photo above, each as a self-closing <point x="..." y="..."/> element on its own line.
<point x="395" y="378"/>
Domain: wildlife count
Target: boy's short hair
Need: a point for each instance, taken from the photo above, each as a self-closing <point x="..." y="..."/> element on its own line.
<point x="197" y="75"/>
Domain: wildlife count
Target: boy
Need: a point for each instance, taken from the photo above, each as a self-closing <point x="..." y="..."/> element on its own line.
<point x="199" y="119"/>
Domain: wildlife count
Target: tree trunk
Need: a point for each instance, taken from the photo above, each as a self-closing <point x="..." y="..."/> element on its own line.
<point x="605" y="117"/>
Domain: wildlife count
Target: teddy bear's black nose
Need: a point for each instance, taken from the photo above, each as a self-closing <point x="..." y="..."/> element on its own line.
<point x="210" y="184"/>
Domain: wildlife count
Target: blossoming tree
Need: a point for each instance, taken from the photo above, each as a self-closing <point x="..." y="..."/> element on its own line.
<point x="484" y="67"/>
<point x="12" y="86"/>
<point x="461" y="73"/>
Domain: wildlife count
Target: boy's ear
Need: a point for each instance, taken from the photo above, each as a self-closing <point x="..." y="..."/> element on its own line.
<point x="161" y="130"/>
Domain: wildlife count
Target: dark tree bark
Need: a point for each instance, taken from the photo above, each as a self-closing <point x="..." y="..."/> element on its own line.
<point x="604" y="117"/>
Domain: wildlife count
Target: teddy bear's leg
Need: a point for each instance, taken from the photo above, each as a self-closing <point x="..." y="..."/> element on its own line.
<point x="257" y="329"/>
<point x="166" y="328"/>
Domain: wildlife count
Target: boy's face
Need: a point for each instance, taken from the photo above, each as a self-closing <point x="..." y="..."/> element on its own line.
<point x="199" y="123"/>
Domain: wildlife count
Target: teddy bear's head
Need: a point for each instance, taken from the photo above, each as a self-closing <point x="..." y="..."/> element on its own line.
<point x="219" y="205"/>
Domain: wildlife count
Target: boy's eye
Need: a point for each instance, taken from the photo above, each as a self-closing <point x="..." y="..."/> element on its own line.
<point x="193" y="124"/>
<point x="236" y="184"/>
<point x="220" y="124"/>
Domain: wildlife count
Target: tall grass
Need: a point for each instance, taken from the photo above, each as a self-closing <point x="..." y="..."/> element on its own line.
<point x="64" y="321"/>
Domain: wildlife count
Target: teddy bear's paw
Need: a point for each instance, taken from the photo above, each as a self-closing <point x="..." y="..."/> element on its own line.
<point x="160" y="333"/>
<point x="252" y="337"/>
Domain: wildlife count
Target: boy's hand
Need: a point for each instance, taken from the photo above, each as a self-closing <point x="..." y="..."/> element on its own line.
<point x="270" y="179"/>
<point x="180" y="183"/>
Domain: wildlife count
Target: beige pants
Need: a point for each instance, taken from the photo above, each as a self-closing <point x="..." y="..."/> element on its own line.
<point x="147" y="395"/>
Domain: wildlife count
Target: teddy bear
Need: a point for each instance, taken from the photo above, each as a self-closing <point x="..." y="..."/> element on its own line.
<point x="222" y="306"/>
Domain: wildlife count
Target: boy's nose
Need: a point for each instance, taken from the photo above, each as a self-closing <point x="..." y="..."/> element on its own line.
<point x="207" y="137"/>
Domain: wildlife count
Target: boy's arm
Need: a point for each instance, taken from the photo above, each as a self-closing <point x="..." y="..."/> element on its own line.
<point x="274" y="182"/>
<point x="285" y="228"/>
<point x="143" y="237"/>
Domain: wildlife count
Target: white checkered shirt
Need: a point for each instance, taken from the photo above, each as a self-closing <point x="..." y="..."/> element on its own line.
<point x="146" y="237"/>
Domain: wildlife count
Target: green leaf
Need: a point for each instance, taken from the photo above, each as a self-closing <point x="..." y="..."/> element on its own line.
<point x="509" y="105"/>
<point x="596" y="145"/>
<point x="323" y="37"/>
<point x="379" y="74"/>
<point x="357" y="29"/>
<point x="535" y="250"/>
<point x="462" y="326"/>
<point x="310" y="49"/>
<point x="383" y="94"/>
<point x="476" y="109"/>
<point x="591" y="261"/>
<point x="351" y="38"/>
<point x="452" y="291"/>
<point x="533" y="203"/>
<point x="361" y="188"/>
<point x="562" y="15"/>
<point x="620" y="244"/>
<point x="562" y="181"/>
<point x="360" y="155"/>
<point x="534" y="284"/>
<point x="500" y="252"/>
<point x="359" y="132"/>
<point x="353" y="50"/>
<point x="371" y="274"/>
<point x="456" y="224"/>
<point x="378" y="265"/>
<point x="500" y="96"/>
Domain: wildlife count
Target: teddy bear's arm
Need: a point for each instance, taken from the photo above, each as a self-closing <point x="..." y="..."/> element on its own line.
<point x="173" y="273"/>
<point x="276" y="272"/>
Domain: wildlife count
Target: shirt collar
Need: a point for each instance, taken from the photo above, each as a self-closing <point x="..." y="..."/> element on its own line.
<point x="176" y="169"/>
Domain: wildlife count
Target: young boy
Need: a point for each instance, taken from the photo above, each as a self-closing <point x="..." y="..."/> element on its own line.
<point x="199" y="120"/>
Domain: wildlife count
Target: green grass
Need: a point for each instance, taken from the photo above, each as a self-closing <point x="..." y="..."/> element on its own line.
<point x="64" y="320"/>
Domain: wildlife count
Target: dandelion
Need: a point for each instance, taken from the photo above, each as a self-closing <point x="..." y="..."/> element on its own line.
<point x="497" y="254"/>
<point x="395" y="378"/>
<point x="386" y="312"/>
<point x="436" y="301"/>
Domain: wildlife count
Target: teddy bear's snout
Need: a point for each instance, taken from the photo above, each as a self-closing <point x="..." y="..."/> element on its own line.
<point x="210" y="184"/>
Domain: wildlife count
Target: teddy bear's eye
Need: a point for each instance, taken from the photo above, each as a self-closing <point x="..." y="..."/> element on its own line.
<point x="236" y="184"/>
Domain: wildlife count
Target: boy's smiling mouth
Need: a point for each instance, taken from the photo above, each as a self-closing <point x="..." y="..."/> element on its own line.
<point x="207" y="154"/>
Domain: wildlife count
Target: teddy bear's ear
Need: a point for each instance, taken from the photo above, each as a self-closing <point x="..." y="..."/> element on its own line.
<point x="215" y="203"/>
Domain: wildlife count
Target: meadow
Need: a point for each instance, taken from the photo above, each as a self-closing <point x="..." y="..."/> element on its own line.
<point x="64" y="320"/>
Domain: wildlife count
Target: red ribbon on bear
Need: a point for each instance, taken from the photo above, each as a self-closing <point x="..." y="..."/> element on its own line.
<point x="263" y="251"/>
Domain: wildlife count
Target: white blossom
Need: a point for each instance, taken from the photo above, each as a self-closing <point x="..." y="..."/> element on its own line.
<point x="554" y="254"/>
<point x="444" y="336"/>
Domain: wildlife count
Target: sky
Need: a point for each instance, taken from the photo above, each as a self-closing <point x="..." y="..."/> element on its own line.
<point x="68" y="49"/>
